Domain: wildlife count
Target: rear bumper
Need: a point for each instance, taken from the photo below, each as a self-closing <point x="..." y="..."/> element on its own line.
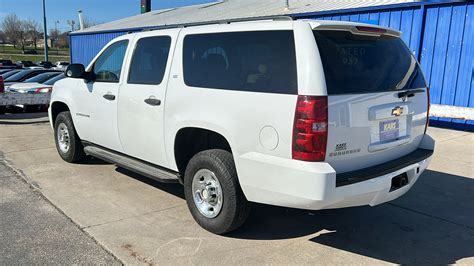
<point x="314" y="186"/>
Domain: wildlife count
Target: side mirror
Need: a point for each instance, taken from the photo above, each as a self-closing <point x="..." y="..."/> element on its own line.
<point x="75" y="71"/>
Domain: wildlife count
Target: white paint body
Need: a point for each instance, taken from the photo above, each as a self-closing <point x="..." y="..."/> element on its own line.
<point x="258" y="126"/>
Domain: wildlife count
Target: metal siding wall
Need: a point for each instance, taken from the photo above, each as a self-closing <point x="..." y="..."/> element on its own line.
<point x="448" y="58"/>
<point x="85" y="47"/>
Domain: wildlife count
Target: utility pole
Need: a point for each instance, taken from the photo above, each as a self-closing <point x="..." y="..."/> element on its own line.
<point x="45" y="33"/>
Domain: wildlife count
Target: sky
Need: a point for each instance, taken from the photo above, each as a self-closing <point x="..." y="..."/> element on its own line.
<point x="97" y="10"/>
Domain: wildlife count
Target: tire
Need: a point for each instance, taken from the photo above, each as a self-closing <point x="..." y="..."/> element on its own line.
<point x="71" y="150"/>
<point x="3" y="110"/>
<point x="234" y="208"/>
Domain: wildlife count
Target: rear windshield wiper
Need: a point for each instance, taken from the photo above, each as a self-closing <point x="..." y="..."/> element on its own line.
<point x="409" y="93"/>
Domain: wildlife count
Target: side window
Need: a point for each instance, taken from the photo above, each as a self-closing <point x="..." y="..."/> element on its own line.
<point x="258" y="61"/>
<point x="108" y="66"/>
<point x="149" y="60"/>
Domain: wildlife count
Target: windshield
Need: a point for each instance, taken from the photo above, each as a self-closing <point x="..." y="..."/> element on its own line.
<point x="42" y="77"/>
<point x="53" y="80"/>
<point x="363" y="64"/>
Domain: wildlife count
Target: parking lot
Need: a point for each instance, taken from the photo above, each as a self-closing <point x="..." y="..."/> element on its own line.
<point x="144" y="222"/>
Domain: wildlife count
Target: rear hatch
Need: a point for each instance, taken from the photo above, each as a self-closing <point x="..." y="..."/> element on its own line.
<point x="377" y="96"/>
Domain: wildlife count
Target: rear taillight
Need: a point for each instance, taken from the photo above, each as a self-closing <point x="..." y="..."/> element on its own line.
<point x="2" y="85"/>
<point x="428" y="111"/>
<point x="43" y="90"/>
<point x="310" y="128"/>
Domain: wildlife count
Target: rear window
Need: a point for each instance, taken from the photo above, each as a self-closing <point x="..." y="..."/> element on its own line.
<point x="257" y="61"/>
<point x="363" y="64"/>
<point x="149" y="60"/>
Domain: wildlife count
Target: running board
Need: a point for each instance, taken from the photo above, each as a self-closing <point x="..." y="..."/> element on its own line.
<point x="132" y="164"/>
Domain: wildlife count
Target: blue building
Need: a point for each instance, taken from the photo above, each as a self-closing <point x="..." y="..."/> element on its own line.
<point x="441" y="35"/>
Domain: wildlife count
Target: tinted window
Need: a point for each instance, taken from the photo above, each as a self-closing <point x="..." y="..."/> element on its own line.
<point x="108" y="66"/>
<point x="42" y="77"/>
<point x="360" y="64"/>
<point x="149" y="60"/>
<point x="10" y="73"/>
<point x="259" y="61"/>
<point x="51" y="81"/>
<point x="22" y="75"/>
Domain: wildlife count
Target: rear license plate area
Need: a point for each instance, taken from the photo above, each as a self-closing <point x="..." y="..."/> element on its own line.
<point x="399" y="181"/>
<point x="389" y="129"/>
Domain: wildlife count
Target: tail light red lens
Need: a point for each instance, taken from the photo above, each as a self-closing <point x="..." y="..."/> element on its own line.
<point x="428" y="111"/>
<point x="310" y="128"/>
<point x="43" y="90"/>
<point x="2" y="85"/>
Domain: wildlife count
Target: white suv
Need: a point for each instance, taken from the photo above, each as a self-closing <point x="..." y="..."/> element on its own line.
<point x="304" y="114"/>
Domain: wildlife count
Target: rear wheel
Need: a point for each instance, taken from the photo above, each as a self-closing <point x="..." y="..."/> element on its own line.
<point x="68" y="143"/>
<point x="213" y="192"/>
<point x="3" y="110"/>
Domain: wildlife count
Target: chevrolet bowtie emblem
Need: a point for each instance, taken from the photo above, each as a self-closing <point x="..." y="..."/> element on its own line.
<point x="397" y="111"/>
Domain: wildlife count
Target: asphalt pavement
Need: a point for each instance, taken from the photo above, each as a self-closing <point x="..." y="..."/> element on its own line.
<point x="34" y="232"/>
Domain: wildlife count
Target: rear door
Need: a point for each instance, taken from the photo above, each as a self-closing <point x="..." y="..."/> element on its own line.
<point x="142" y="97"/>
<point x="377" y="96"/>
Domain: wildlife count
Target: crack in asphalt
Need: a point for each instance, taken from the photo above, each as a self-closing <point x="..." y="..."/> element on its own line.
<point x="131" y="217"/>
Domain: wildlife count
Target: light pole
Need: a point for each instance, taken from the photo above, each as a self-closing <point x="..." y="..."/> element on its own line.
<point x="45" y="33"/>
<point x="57" y="36"/>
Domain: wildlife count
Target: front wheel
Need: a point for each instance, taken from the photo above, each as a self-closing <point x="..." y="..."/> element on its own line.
<point x="68" y="143"/>
<point x="213" y="192"/>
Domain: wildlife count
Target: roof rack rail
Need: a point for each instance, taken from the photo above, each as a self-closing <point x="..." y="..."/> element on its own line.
<point x="224" y="21"/>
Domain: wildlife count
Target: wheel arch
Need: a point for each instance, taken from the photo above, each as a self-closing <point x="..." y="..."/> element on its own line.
<point x="191" y="140"/>
<point x="56" y="108"/>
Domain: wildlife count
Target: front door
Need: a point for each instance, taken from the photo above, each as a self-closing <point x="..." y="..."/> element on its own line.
<point x="142" y="98"/>
<point x="96" y="114"/>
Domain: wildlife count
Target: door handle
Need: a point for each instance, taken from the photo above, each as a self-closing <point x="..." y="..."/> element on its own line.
<point x="109" y="96"/>
<point x="153" y="101"/>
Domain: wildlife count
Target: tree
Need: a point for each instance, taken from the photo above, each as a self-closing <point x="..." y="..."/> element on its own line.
<point x="72" y="23"/>
<point x="3" y="39"/>
<point x="33" y="31"/>
<point x="88" y="22"/>
<point x="63" y="40"/>
<point x="54" y="36"/>
<point x="22" y="34"/>
<point x="12" y="28"/>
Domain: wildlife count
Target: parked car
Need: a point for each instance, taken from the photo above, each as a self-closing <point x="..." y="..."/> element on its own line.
<point x="6" y="62"/>
<point x="45" y="64"/>
<point x="31" y="86"/>
<point x="62" y="64"/>
<point x="40" y="78"/>
<point x="303" y="114"/>
<point x="34" y="88"/>
<point x="23" y="75"/>
<point x="29" y="51"/>
<point x="3" y="71"/>
<point x="9" y="72"/>
<point x="25" y="63"/>
<point x="2" y="90"/>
